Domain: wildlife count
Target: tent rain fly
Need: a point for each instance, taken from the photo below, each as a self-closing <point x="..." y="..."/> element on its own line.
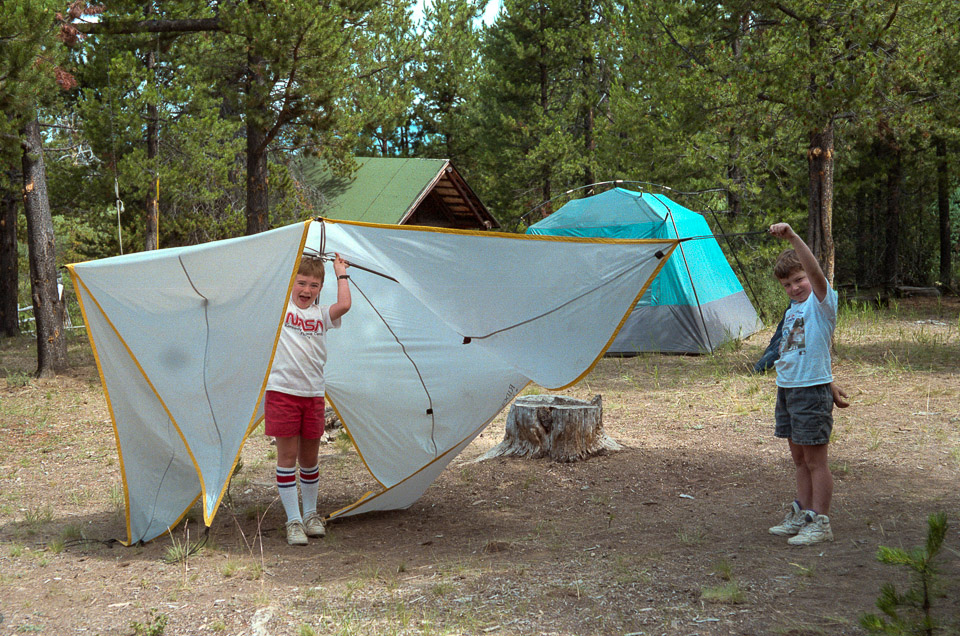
<point x="426" y="358"/>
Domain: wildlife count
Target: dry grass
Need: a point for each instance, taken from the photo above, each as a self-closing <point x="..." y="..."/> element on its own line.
<point x="605" y="546"/>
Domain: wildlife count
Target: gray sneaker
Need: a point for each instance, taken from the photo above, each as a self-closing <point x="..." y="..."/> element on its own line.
<point x="314" y="526"/>
<point x="815" y="531"/>
<point x="792" y="523"/>
<point x="295" y="533"/>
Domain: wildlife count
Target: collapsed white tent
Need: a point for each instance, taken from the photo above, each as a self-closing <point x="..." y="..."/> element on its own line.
<point x="446" y="328"/>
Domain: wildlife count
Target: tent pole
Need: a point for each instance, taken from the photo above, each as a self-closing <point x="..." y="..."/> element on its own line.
<point x="686" y="266"/>
<point x="756" y="301"/>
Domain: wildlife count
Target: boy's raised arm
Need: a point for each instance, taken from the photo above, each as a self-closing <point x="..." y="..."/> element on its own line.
<point x="342" y="305"/>
<point x="818" y="282"/>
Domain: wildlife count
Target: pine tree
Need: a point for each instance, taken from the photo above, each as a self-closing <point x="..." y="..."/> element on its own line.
<point x="447" y="80"/>
<point x="528" y="121"/>
<point x="30" y="67"/>
<point x="381" y="101"/>
<point x="911" y="612"/>
<point x="298" y="57"/>
<point x="151" y="109"/>
<point x="287" y="66"/>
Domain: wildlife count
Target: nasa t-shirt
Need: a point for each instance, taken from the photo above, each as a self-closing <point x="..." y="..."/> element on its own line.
<point x="301" y="351"/>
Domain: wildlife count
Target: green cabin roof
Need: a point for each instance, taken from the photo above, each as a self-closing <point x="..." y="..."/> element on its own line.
<point x="393" y="190"/>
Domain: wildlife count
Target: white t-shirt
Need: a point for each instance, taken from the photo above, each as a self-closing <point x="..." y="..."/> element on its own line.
<point x="805" y="343"/>
<point x="302" y="351"/>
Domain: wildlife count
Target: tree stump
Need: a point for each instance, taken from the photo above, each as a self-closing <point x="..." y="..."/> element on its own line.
<point x="561" y="428"/>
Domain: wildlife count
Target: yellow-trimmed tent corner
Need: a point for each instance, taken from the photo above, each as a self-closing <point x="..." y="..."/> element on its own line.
<point x="170" y="329"/>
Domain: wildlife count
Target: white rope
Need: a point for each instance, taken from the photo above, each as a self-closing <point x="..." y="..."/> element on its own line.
<point x="116" y="191"/>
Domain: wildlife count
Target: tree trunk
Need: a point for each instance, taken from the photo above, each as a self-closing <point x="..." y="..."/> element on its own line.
<point x="545" y="186"/>
<point x="734" y="174"/>
<point x="9" y="272"/>
<point x="891" y="255"/>
<point x="820" y="205"/>
<point x="152" y="221"/>
<point x="258" y="205"/>
<point x="734" y="201"/>
<point x="588" y="65"/>
<point x="561" y="428"/>
<point x="119" y="27"/>
<point x="861" y="207"/>
<point x="47" y="308"/>
<point x="589" y="143"/>
<point x="943" y="206"/>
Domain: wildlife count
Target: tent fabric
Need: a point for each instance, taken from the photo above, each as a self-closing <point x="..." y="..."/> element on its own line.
<point x="446" y="328"/>
<point x="696" y="303"/>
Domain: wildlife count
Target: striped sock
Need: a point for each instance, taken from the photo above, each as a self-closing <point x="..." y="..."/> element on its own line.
<point x="310" y="487"/>
<point x="287" y="485"/>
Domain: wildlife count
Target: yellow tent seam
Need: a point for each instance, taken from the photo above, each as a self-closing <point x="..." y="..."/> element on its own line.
<point x="506" y="235"/>
<point x="475" y="432"/>
<point x="266" y="376"/>
<point x="77" y="284"/>
<point x="163" y="404"/>
<point x="355" y="445"/>
<point x="643" y="290"/>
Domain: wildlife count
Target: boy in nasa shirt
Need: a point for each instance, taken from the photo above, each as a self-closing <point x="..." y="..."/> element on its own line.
<point x="294" y="399"/>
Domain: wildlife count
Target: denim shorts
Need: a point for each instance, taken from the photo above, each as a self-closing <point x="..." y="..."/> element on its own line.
<point x="804" y="414"/>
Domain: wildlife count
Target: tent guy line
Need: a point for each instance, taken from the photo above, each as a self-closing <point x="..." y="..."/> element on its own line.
<point x="659" y="254"/>
<point x="743" y="271"/>
<point x="709" y="236"/>
<point x="426" y="391"/>
<point x="206" y="347"/>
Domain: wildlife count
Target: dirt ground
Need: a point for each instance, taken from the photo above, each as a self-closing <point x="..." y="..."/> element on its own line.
<point x="668" y="536"/>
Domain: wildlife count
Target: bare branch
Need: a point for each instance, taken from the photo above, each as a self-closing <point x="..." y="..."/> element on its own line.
<point x="764" y="97"/>
<point x="789" y="12"/>
<point x="893" y="15"/>
<point x="676" y="42"/>
<point x="150" y="26"/>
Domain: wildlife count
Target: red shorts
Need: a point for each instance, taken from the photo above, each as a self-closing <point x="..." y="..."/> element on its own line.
<point x="288" y="415"/>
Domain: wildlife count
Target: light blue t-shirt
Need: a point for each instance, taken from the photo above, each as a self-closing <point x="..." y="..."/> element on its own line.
<point x="805" y="344"/>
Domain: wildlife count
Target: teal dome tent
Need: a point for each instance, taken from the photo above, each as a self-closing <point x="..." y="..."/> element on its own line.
<point x="695" y="304"/>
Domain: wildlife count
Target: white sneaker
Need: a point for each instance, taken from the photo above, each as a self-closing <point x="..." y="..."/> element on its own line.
<point x="295" y="533"/>
<point x="792" y="523"/>
<point x="314" y="526"/>
<point x="817" y="530"/>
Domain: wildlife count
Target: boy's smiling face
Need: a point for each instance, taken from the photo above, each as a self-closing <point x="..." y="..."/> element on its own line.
<point x="797" y="285"/>
<point x="305" y="290"/>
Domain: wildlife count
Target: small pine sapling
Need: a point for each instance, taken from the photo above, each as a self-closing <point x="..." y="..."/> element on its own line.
<point x="910" y="612"/>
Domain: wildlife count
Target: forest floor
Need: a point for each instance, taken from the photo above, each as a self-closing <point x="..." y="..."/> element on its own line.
<point x="667" y="536"/>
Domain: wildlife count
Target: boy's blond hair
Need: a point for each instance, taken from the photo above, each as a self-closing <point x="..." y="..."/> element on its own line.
<point x="787" y="263"/>
<point x="311" y="266"/>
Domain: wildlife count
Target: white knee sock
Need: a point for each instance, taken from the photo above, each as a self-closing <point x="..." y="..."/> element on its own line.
<point x="310" y="487"/>
<point x="287" y="485"/>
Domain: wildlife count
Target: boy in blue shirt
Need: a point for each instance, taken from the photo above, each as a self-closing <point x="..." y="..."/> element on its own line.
<point x="804" y="411"/>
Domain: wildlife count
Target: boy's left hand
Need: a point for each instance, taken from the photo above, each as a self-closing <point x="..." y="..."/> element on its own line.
<point x="781" y="230"/>
<point x="839" y="396"/>
<point x="339" y="265"/>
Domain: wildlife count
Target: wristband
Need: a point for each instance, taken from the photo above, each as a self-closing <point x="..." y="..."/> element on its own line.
<point x="342" y="277"/>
